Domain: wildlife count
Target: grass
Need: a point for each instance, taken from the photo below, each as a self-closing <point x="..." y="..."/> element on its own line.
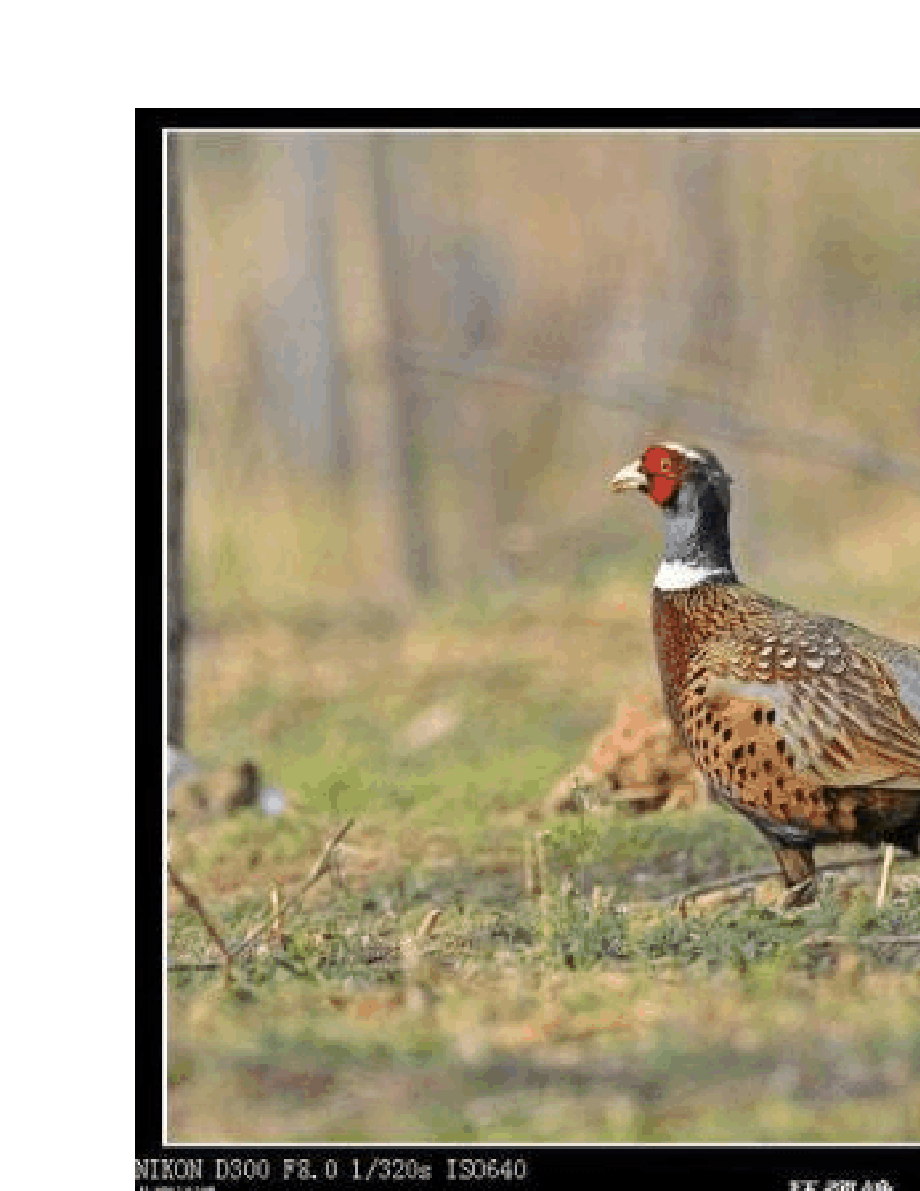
<point x="425" y="991"/>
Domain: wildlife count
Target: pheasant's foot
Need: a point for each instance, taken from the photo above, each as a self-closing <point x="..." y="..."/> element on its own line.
<point x="797" y="865"/>
<point x="802" y="894"/>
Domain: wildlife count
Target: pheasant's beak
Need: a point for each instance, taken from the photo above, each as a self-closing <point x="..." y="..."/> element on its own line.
<point x="630" y="476"/>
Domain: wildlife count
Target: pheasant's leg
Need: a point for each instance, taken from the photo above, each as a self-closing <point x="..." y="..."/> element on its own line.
<point x="798" y="868"/>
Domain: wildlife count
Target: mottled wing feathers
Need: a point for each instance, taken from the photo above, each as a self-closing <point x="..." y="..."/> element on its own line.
<point x="902" y="662"/>
<point x="819" y="692"/>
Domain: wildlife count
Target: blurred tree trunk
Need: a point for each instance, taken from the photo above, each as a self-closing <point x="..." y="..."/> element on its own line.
<point x="702" y="341"/>
<point x="411" y="471"/>
<point x="296" y="328"/>
<point x="710" y="269"/>
<point x="471" y="329"/>
<point x="340" y="424"/>
<point x="175" y="446"/>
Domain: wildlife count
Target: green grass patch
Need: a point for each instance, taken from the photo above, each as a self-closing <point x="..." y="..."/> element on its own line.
<point x="423" y="991"/>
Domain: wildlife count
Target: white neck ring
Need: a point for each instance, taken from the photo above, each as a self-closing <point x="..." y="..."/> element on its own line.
<point x="679" y="576"/>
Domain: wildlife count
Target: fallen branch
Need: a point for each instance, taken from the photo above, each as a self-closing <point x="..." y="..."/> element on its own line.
<point x="762" y="874"/>
<point x="866" y="941"/>
<point x="206" y="965"/>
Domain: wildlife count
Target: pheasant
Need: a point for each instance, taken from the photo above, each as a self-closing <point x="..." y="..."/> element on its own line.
<point x="806" y="724"/>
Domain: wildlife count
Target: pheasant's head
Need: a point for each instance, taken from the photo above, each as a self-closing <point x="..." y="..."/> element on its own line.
<point x="665" y="469"/>
<point x="690" y="487"/>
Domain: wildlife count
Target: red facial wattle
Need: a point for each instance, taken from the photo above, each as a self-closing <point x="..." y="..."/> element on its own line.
<point x="662" y="487"/>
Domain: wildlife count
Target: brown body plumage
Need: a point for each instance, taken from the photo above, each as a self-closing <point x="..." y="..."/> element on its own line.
<point x="806" y="724"/>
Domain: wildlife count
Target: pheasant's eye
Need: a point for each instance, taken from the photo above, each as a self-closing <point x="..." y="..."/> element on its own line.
<point x="666" y="465"/>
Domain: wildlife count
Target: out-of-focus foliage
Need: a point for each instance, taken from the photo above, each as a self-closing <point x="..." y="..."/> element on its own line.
<point x="774" y="276"/>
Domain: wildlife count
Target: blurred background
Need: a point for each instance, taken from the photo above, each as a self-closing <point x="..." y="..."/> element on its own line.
<point x="409" y="363"/>
<point x="413" y="359"/>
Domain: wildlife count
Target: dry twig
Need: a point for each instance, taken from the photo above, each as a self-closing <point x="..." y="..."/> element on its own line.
<point x="194" y="901"/>
<point x="317" y="872"/>
<point x="883" y="882"/>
